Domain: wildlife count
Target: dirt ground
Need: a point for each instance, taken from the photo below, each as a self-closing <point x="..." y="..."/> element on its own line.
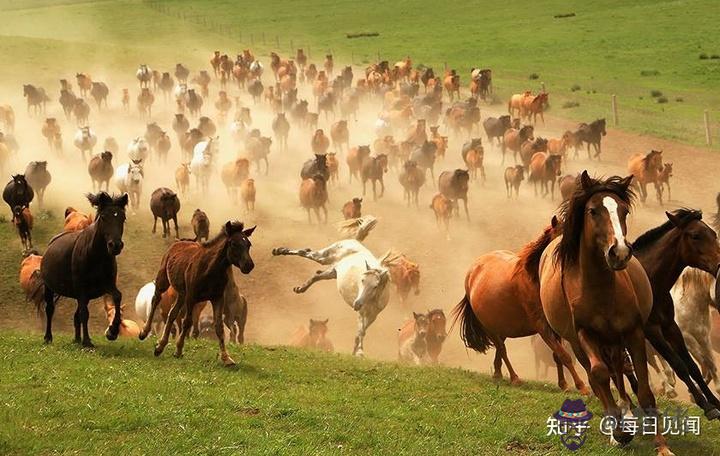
<point x="275" y="311"/>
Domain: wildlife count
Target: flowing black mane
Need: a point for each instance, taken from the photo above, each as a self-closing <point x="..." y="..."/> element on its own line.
<point x="648" y="238"/>
<point x="572" y="211"/>
<point x="223" y="234"/>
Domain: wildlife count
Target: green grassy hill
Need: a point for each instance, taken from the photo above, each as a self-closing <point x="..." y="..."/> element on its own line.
<point x="608" y="47"/>
<point x="118" y="399"/>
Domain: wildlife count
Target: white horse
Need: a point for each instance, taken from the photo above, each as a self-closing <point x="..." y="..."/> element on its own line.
<point x="382" y="127"/>
<point x="238" y="130"/>
<point x="256" y="68"/>
<point x="143" y="303"/>
<point x="138" y="149"/>
<point x="144" y="75"/>
<point x="180" y="92"/>
<point x="128" y="179"/>
<point x="85" y="140"/>
<point x="201" y="164"/>
<point x="693" y="295"/>
<point x="361" y="278"/>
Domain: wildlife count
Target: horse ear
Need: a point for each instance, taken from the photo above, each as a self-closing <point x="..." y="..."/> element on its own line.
<point x="326" y="321"/>
<point x="248" y="232"/>
<point x="367" y="266"/>
<point x="585" y="180"/>
<point x="416" y="315"/>
<point x="673" y="219"/>
<point x="554" y="222"/>
<point x="625" y="183"/>
<point x="123" y="200"/>
<point x="228" y="228"/>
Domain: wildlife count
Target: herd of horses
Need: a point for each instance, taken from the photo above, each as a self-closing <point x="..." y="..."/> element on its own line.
<point x="581" y="280"/>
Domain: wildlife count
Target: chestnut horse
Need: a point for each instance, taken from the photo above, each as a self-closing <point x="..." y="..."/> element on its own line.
<point x="683" y="240"/>
<point x="502" y="299"/>
<point x="647" y="169"/>
<point x="597" y="296"/>
<point x="199" y="272"/>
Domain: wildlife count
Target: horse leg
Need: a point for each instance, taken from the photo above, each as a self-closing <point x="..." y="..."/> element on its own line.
<point x="328" y="274"/>
<point x="76" y="323"/>
<point x="553" y="341"/>
<point x="177" y="233"/>
<point x="467" y="214"/>
<point x="218" y="306"/>
<point x="704" y="354"/>
<point x="49" y="311"/>
<point x="589" y="353"/>
<point x="114" y="329"/>
<point x="187" y="323"/>
<point x="662" y="345"/>
<point x="502" y="351"/>
<point x="497" y="365"/>
<point x="617" y="360"/>
<point x="636" y="346"/>
<point x="362" y="328"/>
<point x="84" y="317"/>
<point x="169" y="321"/>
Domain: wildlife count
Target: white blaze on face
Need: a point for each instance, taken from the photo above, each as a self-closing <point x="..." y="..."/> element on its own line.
<point x="612" y="206"/>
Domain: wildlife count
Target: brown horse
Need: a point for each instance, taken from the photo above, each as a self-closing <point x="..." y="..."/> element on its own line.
<point x="200" y="272"/>
<point x="248" y="192"/>
<point x="101" y="170"/>
<point x="647" y="169"/>
<point x="684" y="240"/>
<point x="514" y="138"/>
<point x="451" y="83"/>
<point x="545" y="169"/>
<point x="664" y="178"/>
<point x="532" y="106"/>
<point x="352" y="209"/>
<point x="313" y="337"/>
<point x="340" y="135"/>
<point x="597" y="296"/>
<point x="76" y="221"/>
<point x="514" y="176"/>
<point x="502" y="299"/>
<point x="404" y="274"/>
<point x="83" y="265"/>
<point x="314" y="195"/>
<point x="30" y="280"/>
<point x="517" y="101"/>
<point x="23" y="221"/>
<point x="442" y="206"/>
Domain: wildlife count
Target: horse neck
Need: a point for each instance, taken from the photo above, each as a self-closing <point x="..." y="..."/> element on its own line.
<point x="97" y="245"/>
<point x="216" y="256"/>
<point x="594" y="271"/>
<point x="662" y="261"/>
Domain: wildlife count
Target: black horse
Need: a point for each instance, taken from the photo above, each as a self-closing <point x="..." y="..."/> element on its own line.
<point x="82" y="265"/>
<point x="317" y="165"/>
<point x="18" y="192"/>
<point x="36" y="98"/>
<point x="591" y="134"/>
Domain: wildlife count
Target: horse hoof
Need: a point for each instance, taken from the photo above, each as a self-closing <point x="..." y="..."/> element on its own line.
<point x="278" y="251"/>
<point x="142" y="335"/>
<point x="622" y="438"/>
<point x="671" y="394"/>
<point x="228" y="362"/>
<point x="88" y="344"/>
<point x="158" y="351"/>
<point x="178" y="354"/>
<point x="584" y="390"/>
<point x="298" y="290"/>
<point x="516" y="381"/>
<point x="48" y="340"/>
<point x="712" y="414"/>
<point x="110" y="334"/>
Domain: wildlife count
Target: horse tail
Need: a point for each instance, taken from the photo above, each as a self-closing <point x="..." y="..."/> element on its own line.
<point x="36" y="292"/>
<point x="472" y="331"/>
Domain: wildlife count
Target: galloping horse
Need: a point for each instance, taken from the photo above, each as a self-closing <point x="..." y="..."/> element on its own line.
<point x="82" y="265"/>
<point x="362" y="279"/>
<point x="597" y="296"/>
<point x="647" y="168"/>
<point x="684" y="240"/>
<point x="200" y="272"/>
<point x="36" y="98"/>
<point x="201" y="164"/>
<point x="502" y="299"/>
<point x="591" y="134"/>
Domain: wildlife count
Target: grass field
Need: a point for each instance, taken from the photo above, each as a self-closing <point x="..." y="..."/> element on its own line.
<point x="118" y="400"/>
<point x="605" y="49"/>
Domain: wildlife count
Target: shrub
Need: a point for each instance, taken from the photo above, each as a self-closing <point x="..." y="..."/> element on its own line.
<point x="534" y="76"/>
<point x="703" y="56"/>
<point x="715" y="56"/>
<point x="679" y="99"/>
<point x="655" y="93"/>
<point x="649" y="73"/>
<point x="570" y="104"/>
<point x="662" y="100"/>
<point x="575" y="88"/>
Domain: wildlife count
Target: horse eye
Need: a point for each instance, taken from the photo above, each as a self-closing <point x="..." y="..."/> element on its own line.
<point x="592" y="211"/>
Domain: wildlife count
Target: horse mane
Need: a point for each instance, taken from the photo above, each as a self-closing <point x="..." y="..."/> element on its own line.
<point x="572" y="212"/>
<point x="222" y="235"/>
<point x="391" y="258"/>
<point x="647" y="157"/>
<point x="530" y="254"/>
<point x="648" y="238"/>
<point x="357" y="228"/>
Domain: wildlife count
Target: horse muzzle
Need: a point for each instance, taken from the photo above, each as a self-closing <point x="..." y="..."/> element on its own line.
<point x="246" y="268"/>
<point x="618" y="256"/>
<point x="115" y="247"/>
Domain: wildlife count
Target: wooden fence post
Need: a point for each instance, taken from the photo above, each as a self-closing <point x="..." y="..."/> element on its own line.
<point x="614" y="109"/>
<point x="708" y="138"/>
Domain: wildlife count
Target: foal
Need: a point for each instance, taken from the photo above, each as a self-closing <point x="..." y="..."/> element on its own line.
<point x="199" y="272"/>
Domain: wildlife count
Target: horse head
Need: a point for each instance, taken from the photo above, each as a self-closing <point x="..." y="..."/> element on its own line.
<point x="422" y="324"/>
<point x="698" y="245"/>
<point x="317" y="330"/>
<point x="135" y="172"/>
<point x="110" y="219"/>
<point x="238" y="245"/>
<point x="372" y="285"/>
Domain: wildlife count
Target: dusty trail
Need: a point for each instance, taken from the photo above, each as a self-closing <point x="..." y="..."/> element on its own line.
<point x="275" y="311"/>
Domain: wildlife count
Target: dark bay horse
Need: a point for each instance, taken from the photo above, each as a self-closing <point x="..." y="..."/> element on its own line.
<point x="82" y="265"/>
<point x="683" y="240"/>
<point x="502" y="299"/>
<point x="592" y="135"/>
<point x="199" y="272"/>
<point x="597" y="296"/>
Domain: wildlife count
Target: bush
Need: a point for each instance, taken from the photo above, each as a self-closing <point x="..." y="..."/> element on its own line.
<point x="649" y="73"/>
<point x="662" y="100"/>
<point x="534" y="76"/>
<point x="715" y="56"/>
<point x="703" y="56"/>
<point x="679" y="99"/>
<point x="575" y="88"/>
<point x="655" y="93"/>
<point x="570" y="104"/>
